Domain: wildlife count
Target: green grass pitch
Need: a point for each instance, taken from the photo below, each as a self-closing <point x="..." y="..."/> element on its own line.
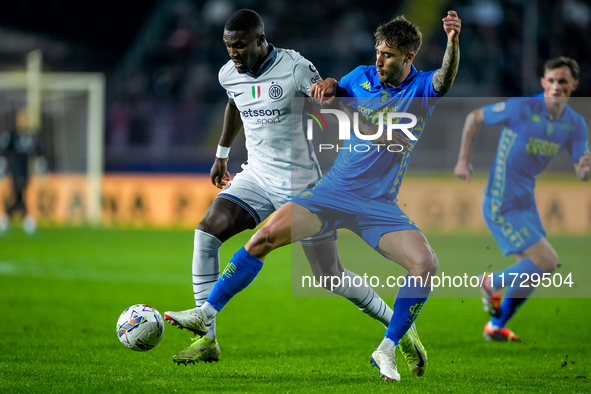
<point x="62" y="290"/>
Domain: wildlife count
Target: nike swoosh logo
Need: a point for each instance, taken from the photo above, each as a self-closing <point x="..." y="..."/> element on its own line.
<point x="201" y="349"/>
<point x="237" y="94"/>
<point x="421" y="362"/>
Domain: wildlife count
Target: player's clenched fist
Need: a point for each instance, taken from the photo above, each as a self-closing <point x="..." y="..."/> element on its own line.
<point x="463" y="170"/>
<point x="324" y="91"/>
<point x="585" y="166"/>
<point x="219" y="173"/>
<point x="452" y="25"/>
<point x="585" y="161"/>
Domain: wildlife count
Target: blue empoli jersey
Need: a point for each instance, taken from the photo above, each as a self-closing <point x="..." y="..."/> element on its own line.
<point x="377" y="173"/>
<point x="529" y="140"/>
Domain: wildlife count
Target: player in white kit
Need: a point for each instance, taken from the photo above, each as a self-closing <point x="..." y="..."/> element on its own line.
<point x="260" y="81"/>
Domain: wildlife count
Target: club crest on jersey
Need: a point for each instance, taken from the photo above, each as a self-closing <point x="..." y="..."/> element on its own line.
<point x="275" y="91"/>
<point x="384" y="96"/>
<point x="256" y="92"/>
<point x="549" y="129"/>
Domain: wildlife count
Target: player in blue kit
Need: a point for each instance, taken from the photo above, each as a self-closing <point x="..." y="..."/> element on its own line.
<point x="536" y="128"/>
<point x="359" y="192"/>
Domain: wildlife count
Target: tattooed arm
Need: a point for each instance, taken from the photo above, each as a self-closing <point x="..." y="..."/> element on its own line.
<point x="444" y="77"/>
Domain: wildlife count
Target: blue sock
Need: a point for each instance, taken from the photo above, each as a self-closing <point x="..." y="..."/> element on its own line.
<point x="516" y="295"/>
<point x="409" y="301"/>
<point x="524" y="266"/>
<point x="238" y="274"/>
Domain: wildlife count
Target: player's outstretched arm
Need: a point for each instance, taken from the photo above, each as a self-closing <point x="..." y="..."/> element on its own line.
<point x="474" y="120"/>
<point x="324" y="91"/>
<point x="583" y="167"/>
<point x="443" y="78"/>
<point x="232" y="125"/>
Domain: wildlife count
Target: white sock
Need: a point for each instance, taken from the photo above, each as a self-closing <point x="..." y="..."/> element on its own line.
<point x="387" y="343"/>
<point x="209" y="311"/>
<point x="206" y="269"/>
<point x="364" y="297"/>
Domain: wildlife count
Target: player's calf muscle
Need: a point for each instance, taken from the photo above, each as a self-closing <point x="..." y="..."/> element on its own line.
<point x="266" y="240"/>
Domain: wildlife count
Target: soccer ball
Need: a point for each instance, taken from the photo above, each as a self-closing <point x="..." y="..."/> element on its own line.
<point x="140" y="327"/>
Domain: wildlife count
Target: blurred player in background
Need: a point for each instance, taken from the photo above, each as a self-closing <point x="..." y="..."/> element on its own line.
<point x="536" y="129"/>
<point x="360" y="190"/>
<point x="260" y="81"/>
<point x="17" y="146"/>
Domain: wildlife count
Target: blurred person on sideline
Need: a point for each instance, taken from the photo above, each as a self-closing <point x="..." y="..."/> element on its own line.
<point x="18" y="146"/>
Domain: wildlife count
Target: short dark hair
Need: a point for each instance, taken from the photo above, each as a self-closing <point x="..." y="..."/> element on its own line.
<point x="245" y="20"/>
<point x="400" y="33"/>
<point x="562" y="61"/>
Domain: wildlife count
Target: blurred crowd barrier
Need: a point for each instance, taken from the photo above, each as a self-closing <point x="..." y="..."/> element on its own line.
<point x="451" y="205"/>
<point x="168" y="201"/>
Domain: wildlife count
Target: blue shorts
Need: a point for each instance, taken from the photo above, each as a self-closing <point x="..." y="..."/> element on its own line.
<point x="370" y="219"/>
<point x="515" y="230"/>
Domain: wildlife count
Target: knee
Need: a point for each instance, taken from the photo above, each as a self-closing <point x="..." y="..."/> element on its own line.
<point x="547" y="262"/>
<point x="213" y="227"/>
<point x="425" y="265"/>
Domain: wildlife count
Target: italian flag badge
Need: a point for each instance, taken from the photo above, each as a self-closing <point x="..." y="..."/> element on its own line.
<point x="256" y="91"/>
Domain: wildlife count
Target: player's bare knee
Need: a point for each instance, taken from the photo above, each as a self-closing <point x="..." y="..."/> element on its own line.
<point x="548" y="262"/>
<point x="425" y="267"/>
<point x="434" y="268"/>
<point x="430" y="266"/>
<point x="211" y="228"/>
<point x="202" y="226"/>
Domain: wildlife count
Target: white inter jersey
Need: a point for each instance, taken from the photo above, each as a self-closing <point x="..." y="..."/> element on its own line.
<point x="278" y="149"/>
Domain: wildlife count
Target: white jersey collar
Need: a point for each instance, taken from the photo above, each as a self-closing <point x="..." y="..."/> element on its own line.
<point x="266" y="63"/>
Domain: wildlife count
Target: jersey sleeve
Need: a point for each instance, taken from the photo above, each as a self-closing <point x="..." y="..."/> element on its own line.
<point x="221" y="80"/>
<point x="579" y="144"/>
<point x="305" y="75"/>
<point x="501" y="112"/>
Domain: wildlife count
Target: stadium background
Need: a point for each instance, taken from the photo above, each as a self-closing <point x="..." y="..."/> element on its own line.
<point x="63" y="288"/>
